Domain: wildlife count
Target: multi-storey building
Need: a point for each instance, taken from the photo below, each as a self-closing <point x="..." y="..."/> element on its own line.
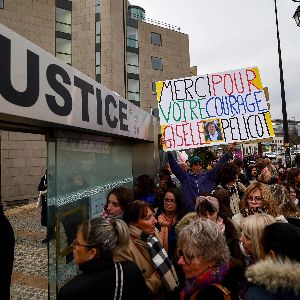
<point x="111" y="41"/>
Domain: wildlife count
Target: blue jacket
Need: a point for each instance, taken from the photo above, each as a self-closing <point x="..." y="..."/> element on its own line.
<point x="192" y="185"/>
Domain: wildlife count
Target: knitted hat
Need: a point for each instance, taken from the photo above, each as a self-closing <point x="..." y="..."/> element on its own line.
<point x="195" y="159"/>
<point x="211" y="200"/>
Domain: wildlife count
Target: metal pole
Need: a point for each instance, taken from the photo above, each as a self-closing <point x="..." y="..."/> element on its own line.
<point x="284" y="114"/>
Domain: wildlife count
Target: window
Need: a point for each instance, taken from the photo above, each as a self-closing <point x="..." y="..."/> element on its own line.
<point x="63" y="33"/>
<point x="157" y="63"/>
<point x="132" y="37"/>
<point x="136" y="13"/>
<point x="98" y="63"/>
<point x="153" y="87"/>
<point x="1" y="4"/>
<point x="97" y="6"/>
<point x="133" y="90"/>
<point x="64" y="50"/>
<point x="98" y="40"/>
<point x="132" y="63"/>
<point x="155" y="39"/>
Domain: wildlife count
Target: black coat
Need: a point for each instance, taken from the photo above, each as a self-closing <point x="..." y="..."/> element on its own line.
<point x="43" y="187"/>
<point x="98" y="281"/>
<point x="7" y="242"/>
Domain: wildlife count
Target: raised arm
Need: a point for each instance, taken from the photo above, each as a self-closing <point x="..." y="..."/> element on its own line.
<point x="175" y="167"/>
<point x="226" y="157"/>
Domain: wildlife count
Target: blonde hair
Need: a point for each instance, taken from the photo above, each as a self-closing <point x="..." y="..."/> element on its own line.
<point x="253" y="226"/>
<point x="268" y="200"/>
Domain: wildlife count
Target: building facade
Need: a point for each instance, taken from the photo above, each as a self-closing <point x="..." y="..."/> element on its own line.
<point x="112" y="42"/>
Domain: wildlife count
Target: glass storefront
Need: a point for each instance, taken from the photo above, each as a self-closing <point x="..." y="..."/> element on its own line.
<point x="80" y="174"/>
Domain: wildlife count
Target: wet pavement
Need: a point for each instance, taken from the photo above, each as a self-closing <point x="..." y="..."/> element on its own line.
<point x="29" y="278"/>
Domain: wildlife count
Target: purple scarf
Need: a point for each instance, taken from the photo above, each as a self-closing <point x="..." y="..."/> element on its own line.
<point x="212" y="275"/>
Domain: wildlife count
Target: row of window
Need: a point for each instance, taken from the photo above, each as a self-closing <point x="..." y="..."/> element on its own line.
<point x="97" y="41"/>
<point x="63" y="32"/>
<point x="64" y="48"/>
<point x="132" y="38"/>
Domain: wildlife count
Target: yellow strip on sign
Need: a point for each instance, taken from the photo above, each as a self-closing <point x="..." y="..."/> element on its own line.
<point x="257" y="81"/>
<point x="269" y="123"/>
<point x="162" y="131"/>
<point x="159" y="86"/>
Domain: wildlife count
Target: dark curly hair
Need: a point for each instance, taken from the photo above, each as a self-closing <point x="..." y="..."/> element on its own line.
<point x="225" y="173"/>
<point x="144" y="184"/>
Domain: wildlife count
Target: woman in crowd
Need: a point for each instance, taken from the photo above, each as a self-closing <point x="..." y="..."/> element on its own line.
<point x="101" y="278"/>
<point x="291" y="209"/>
<point x="252" y="229"/>
<point x="226" y="178"/>
<point x="251" y="174"/>
<point x="293" y="179"/>
<point x="282" y="174"/>
<point x="277" y="276"/>
<point x="204" y="257"/>
<point x="258" y="199"/>
<point x="293" y="196"/>
<point x="117" y="202"/>
<point x="279" y="192"/>
<point x="146" y="250"/>
<point x="172" y="212"/>
<point x="207" y="207"/>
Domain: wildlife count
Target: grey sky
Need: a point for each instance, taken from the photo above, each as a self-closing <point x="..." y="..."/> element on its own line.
<point x="232" y="34"/>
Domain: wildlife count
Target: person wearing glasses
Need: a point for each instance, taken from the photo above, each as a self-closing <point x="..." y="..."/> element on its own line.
<point x="204" y="257"/>
<point x="257" y="199"/>
<point x="172" y="212"/>
<point x="146" y="251"/>
<point x="209" y="207"/>
<point x="100" y="277"/>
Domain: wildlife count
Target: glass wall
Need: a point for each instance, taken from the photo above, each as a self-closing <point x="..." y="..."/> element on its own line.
<point x="132" y="37"/>
<point x="80" y="174"/>
<point x="136" y="12"/>
<point x="63" y="31"/>
<point x="98" y="40"/>
<point x="132" y="63"/>
<point x="133" y="90"/>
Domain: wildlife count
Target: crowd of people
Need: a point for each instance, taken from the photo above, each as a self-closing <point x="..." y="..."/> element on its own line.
<point x="227" y="229"/>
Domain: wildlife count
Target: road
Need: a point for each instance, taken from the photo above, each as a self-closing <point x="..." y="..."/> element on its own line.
<point x="29" y="278"/>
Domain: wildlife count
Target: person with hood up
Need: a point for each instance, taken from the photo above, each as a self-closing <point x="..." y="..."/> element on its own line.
<point x="277" y="276"/>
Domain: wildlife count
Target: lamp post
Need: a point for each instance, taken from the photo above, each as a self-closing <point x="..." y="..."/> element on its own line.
<point x="283" y="102"/>
<point x="295" y="131"/>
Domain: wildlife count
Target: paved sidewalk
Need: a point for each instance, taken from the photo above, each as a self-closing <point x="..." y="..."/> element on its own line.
<point x="29" y="279"/>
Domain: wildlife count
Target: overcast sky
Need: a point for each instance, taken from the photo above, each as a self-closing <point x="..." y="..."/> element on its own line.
<point x="232" y="34"/>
